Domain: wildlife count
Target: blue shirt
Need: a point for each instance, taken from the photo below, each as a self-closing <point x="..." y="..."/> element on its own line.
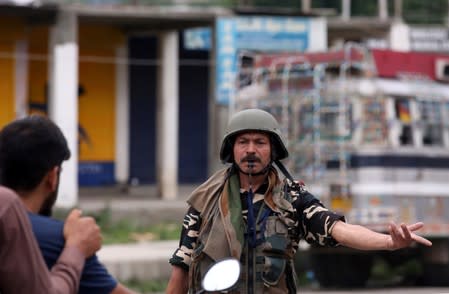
<point x="95" y="279"/>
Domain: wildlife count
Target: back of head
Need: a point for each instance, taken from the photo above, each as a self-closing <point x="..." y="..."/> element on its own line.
<point x="29" y="148"/>
<point x="253" y="120"/>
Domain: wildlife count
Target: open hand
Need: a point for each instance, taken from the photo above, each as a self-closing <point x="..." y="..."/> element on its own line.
<point x="403" y="236"/>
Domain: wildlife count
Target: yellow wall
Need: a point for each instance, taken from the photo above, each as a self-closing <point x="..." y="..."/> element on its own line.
<point x="38" y="69"/>
<point x="6" y="85"/>
<point x="97" y="104"/>
<point x="11" y="30"/>
<point x="97" y="47"/>
<point x="96" y="76"/>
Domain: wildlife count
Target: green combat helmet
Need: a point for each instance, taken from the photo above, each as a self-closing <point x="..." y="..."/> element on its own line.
<point x="253" y="120"/>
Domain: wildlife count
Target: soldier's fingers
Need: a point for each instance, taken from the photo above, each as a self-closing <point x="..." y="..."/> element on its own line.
<point x="416" y="226"/>
<point x="394" y="231"/>
<point x="406" y="232"/>
<point x="421" y="240"/>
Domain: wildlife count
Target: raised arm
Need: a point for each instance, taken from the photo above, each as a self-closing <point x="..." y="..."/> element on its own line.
<point x="83" y="239"/>
<point x="23" y="268"/>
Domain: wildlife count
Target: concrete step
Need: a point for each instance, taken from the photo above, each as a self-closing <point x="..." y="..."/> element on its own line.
<point x="141" y="205"/>
<point x="140" y="261"/>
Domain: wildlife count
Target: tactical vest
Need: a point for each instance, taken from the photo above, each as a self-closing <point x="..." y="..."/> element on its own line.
<point x="267" y="268"/>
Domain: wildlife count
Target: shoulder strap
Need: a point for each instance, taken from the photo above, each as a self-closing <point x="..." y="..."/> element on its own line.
<point x="291" y="183"/>
<point x="284" y="170"/>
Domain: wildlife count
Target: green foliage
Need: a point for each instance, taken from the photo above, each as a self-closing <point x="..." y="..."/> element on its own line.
<point x="223" y="3"/>
<point x="425" y="12"/>
<point x="411" y="268"/>
<point x="60" y="213"/>
<point x="327" y="4"/>
<point x="128" y="231"/>
<point x="364" y="8"/>
<point x="157" y="286"/>
<point x="413" y="11"/>
<point x="382" y="272"/>
<point x="294" y="4"/>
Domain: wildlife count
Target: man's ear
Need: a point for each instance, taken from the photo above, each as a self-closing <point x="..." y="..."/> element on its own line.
<point x="52" y="176"/>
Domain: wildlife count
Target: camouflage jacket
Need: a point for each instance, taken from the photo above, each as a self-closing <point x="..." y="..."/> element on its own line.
<point x="296" y="214"/>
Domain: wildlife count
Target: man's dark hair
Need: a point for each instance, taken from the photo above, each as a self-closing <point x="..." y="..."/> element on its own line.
<point x="29" y="148"/>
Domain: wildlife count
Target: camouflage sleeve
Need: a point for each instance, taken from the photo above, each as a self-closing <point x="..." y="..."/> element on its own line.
<point x="316" y="220"/>
<point x="189" y="234"/>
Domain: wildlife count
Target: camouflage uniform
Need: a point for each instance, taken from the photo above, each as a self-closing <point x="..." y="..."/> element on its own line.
<point x="268" y="267"/>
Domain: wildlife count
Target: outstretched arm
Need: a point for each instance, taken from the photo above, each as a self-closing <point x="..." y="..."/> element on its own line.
<point x="362" y="238"/>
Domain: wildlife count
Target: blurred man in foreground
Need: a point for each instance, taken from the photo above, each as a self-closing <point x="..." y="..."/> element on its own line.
<point x="23" y="270"/>
<point x="32" y="151"/>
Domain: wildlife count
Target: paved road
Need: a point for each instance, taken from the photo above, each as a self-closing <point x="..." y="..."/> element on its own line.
<point x="149" y="261"/>
<point x="395" y="290"/>
<point x="371" y="291"/>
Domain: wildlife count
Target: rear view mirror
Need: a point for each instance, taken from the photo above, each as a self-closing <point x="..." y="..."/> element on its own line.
<point x="222" y="275"/>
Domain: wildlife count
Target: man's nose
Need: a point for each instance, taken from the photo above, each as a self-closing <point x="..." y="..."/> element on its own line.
<point x="251" y="148"/>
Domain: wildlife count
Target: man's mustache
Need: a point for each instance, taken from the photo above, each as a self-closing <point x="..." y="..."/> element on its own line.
<point x="250" y="158"/>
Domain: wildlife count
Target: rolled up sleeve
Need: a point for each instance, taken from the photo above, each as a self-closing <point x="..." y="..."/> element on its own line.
<point x="182" y="256"/>
<point x="316" y="220"/>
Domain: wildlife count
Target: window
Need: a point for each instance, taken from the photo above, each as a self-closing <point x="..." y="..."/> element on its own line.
<point x="329" y="122"/>
<point x="374" y="127"/>
<point x="403" y="115"/>
<point x="432" y="123"/>
<point x="305" y="130"/>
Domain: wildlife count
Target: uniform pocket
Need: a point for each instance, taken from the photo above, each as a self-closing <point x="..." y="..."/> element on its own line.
<point x="275" y="226"/>
<point x="276" y="237"/>
<point x="274" y="250"/>
<point x="274" y="269"/>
